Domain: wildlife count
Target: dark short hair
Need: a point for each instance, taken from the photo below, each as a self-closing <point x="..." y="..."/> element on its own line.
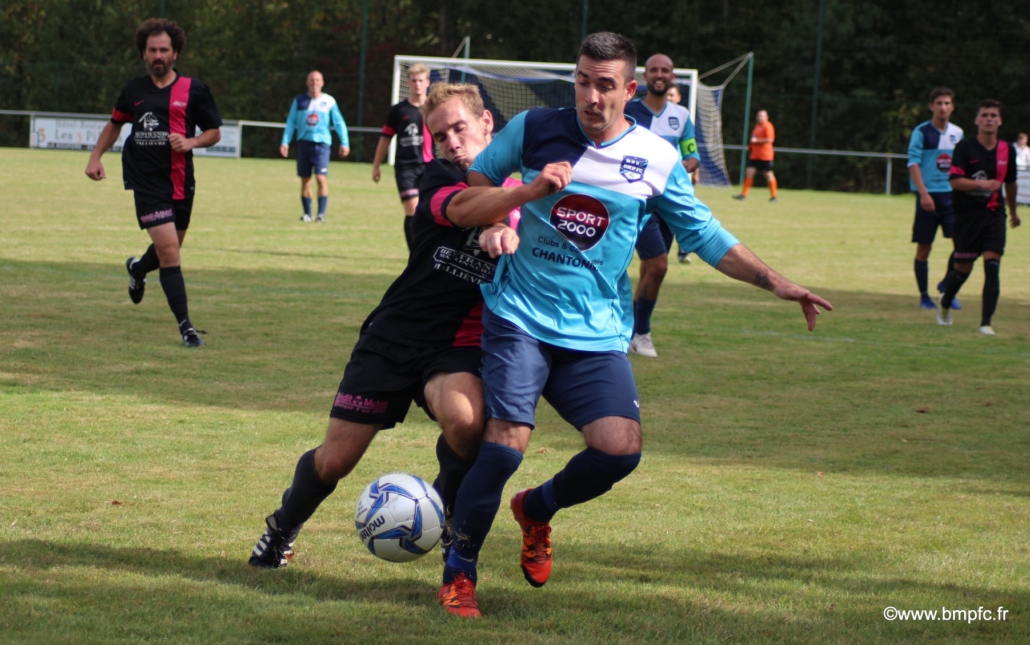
<point x="605" y="45"/>
<point x="155" y="26"/>
<point x="938" y="92"/>
<point x="988" y="103"/>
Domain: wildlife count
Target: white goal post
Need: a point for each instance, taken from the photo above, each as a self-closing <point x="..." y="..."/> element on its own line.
<point x="511" y="87"/>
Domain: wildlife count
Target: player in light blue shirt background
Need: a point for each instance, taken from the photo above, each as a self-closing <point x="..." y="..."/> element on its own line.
<point x="313" y="117"/>
<point x="929" y="160"/>
<point x="671" y="122"/>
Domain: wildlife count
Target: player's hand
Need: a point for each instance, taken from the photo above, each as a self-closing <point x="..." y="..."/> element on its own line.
<point x="180" y="143"/>
<point x="992" y="185"/>
<point x="95" y="170"/>
<point x="499" y="240"/>
<point x="284" y="151"/>
<point x="554" y="177"/>
<point x="344" y="151"/>
<point x="810" y="303"/>
<point x="1014" y="220"/>
<point x="375" y="174"/>
<point x="926" y="203"/>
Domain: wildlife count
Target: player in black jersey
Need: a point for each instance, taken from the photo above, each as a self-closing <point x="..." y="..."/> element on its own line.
<point x="422" y="342"/>
<point x="165" y="109"/>
<point x="980" y="166"/>
<point x="414" y="145"/>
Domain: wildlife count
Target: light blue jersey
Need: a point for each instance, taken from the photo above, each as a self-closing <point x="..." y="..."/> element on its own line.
<point x="567" y="284"/>
<point x="314" y="119"/>
<point x="672" y="124"/>
<point x="931" y="150"/>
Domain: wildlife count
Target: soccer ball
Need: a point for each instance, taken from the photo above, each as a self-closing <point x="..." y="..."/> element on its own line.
<point x="399" y="517"/>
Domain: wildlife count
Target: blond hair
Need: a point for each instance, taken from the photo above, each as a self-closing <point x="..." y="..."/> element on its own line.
<point x="418" y="69"/>
<point x="440" y="93"/>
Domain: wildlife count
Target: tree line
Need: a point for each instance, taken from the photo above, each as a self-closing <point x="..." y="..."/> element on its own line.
<point x="880" y="59"/>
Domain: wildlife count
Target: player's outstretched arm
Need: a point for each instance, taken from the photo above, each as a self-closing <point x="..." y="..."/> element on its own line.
<point x="482" y="203"/>
<point x="108" y="137"/>
<point x="499" y="240"/>
<point x="741" y="264"/>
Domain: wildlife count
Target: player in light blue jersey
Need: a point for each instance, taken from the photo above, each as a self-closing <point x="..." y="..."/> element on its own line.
<point x="313" y="117"/>
<point x="929" y="160"/>
<point x="671" y="122"/>
<point x="558" y="313"/>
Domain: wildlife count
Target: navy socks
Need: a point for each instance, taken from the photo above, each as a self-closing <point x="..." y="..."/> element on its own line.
<point x="452" y="472"/>
<point x="478" y="500"/>
<point x="588" y="475"/>
<point x="642" y="310"/>
<point x="306" y="203"/>
<point x="922" y="276"/>
<point x="322" y="201"/>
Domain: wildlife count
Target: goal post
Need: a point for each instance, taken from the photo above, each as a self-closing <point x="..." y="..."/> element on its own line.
<point x="511" y="87"/>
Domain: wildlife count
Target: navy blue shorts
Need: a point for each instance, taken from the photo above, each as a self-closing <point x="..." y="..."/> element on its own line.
<point x="151" y="212"/>
<point x="312" y="156"/>
<point x="655" y="239"/>
<point x="924" y="230"/>
<point x="582" y="386"/>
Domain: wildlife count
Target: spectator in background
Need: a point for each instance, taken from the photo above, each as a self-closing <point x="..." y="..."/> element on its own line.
<point x="760" y="155"/>
<point x="313" y="116"/>
<point x="1022" y="152"/>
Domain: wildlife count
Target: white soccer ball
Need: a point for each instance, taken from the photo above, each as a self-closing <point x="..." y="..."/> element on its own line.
<point x="399" y="517"/>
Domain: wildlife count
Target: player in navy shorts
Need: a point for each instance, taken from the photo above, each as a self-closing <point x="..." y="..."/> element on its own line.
<point x="558" y="314"/>
<point x="165" y="109"/>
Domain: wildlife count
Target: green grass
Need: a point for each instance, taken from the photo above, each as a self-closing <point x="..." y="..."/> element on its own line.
<point x="793" y="485"/>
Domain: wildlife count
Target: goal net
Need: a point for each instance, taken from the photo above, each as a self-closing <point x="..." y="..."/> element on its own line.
<point x="511" y="87"/>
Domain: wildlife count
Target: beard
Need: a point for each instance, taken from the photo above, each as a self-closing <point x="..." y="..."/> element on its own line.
<point x="159" y="69"/>
<point x="658" y="92"/>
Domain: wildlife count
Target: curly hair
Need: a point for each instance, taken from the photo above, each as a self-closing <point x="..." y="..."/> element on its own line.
<point x="155" y="26"/>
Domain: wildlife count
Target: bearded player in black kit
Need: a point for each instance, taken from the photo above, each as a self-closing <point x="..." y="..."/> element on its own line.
<point x="422" y="342"/>
<point x="165" y="109"/>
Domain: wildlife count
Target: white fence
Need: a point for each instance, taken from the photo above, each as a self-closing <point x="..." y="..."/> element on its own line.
<point x="70" y="131"/>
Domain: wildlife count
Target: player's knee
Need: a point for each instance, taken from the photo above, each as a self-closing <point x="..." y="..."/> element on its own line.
<point x="614" y="468"/>
<point x="334" y="466"/>
<point x="463" y="435"/>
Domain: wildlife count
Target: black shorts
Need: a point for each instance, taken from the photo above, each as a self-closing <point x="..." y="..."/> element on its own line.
<point x="383" y="378"/>
<point x="408" y="178"/>
<point x="151" y="212"/>
<point x="924" y="229"/>
<point x="758" y="164"/>
<point x="977" y="233"/>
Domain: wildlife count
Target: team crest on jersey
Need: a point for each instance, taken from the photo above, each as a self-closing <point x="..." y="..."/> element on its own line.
<point x="149" y="121"/>
<point x="633" y="168"/>
<point x="580" y="219"/>
<point x="674" y="122"/>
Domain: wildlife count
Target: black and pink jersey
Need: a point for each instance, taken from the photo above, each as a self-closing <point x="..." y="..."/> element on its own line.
<point x="973" y="161"/>
<point x="436" y="301"/>
<point x="414" y="143"/>
<point x="149" y="165"/>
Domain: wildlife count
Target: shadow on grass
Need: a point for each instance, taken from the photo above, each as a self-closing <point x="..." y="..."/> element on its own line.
<point x="879" y="386"/>
<point x="660" y="597"/>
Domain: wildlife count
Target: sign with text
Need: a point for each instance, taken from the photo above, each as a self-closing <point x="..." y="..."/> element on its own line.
<point x="81" y="133"/>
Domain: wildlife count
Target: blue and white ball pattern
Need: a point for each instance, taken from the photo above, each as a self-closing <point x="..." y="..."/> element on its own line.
<point x="399" y="517"/>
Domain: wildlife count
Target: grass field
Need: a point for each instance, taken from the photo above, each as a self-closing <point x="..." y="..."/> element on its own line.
<point x="793" y="485"/>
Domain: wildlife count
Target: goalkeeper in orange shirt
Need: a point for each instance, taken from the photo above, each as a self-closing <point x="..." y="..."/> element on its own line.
<point x="760" y="155"/>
